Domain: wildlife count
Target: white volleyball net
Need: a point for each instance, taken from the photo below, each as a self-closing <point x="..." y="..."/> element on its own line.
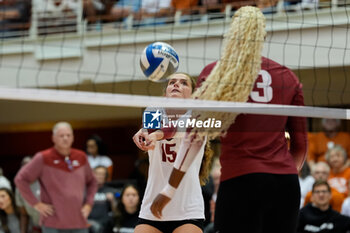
<point x="69" y="57"/>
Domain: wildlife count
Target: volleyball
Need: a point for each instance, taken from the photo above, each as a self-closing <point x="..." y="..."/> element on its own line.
<point x="158" y="61"/>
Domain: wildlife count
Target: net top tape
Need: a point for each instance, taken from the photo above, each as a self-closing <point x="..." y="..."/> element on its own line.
<point x="139" y="101"/>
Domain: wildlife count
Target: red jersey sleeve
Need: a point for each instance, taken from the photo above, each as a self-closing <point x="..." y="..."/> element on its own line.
<point x="296" y="127"/>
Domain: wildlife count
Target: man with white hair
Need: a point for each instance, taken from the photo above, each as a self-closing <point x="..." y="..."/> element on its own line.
<point x="67" y="184"/>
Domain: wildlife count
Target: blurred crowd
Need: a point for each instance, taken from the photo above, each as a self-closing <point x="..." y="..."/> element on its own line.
<point x="15" y="15"/>
<point x="324" y="180"/>
<point x="324" y="183"/>
<point x="75" y="183"/>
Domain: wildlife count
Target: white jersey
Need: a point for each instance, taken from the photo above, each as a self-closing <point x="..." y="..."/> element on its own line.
<point x="100" y="160"/>
<point x="187" y="202"/>
<point x="345" y="209"/>
<point x="153" y="6"/>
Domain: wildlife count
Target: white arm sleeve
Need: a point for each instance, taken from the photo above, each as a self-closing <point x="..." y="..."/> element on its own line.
<point x="188" y="150"/>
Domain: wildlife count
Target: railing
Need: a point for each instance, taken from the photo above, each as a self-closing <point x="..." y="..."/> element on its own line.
<point x="54" y="18"/>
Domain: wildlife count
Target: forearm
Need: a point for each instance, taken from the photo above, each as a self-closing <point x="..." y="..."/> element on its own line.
<point x="188" y="151"/>
<point x="176" y="177"/>
<point x="174" y="182"/>
<point x="162" y="134"/>
<point x="189" y="148"/>
<point x="166" y="133"/>
<point x="23" y="186"/>
<point x="158" y="135"/>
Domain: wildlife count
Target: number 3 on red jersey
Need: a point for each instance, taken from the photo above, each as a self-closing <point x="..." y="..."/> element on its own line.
<point x="168" y="152"/>
<point x="262" y="91"/>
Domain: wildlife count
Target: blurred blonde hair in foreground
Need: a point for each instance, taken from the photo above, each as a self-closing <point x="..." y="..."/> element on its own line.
<point x="234" y="75"/>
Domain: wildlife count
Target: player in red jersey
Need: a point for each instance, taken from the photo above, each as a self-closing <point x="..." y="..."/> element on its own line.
<point x="259" y="190"/>
<point x="259" y="174"/>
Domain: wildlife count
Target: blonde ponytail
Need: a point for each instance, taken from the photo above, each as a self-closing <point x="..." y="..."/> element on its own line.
<point x="234" y="75"/>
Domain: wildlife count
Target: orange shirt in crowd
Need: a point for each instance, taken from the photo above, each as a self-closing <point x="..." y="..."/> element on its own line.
<point x="318" y="144"/>
<point x="336" y="200"/>
<point x="340" y="181"/>
<point x="182" y="5"/>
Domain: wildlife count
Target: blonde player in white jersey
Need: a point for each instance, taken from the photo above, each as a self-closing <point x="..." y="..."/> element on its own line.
<point x="185" y="213"/>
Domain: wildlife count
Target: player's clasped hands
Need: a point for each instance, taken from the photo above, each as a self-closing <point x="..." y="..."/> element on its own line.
<point x="144" y="141"/>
